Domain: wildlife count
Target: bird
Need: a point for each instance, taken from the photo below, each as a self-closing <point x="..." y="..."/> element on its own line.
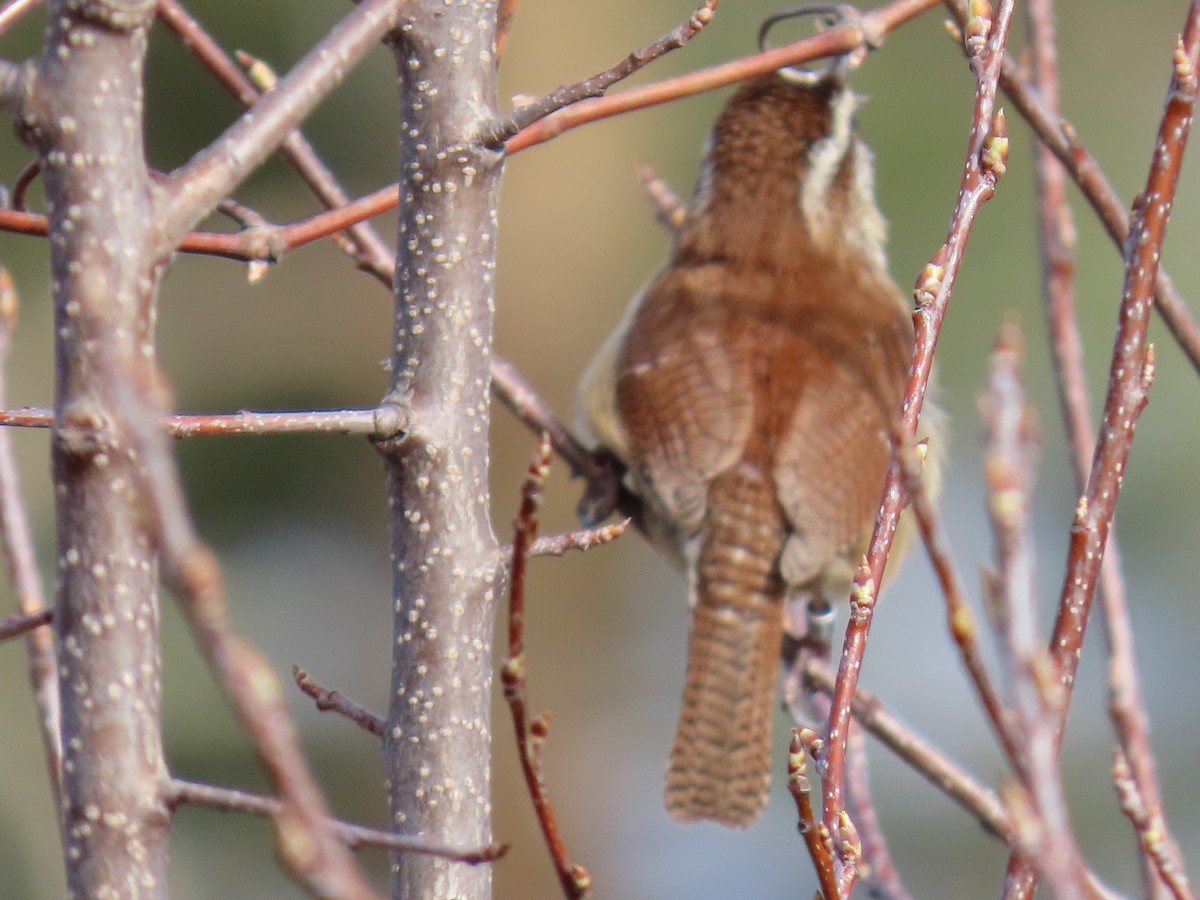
<point x="751" y="392"/>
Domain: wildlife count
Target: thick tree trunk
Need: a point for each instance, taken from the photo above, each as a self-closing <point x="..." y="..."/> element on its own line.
<point x="446" y="573"/>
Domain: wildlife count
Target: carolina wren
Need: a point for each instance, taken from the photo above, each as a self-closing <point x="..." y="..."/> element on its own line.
<point x="750" y="391"/>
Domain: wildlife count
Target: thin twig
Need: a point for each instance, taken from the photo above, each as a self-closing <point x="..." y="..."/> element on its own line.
<point x="1056" y="247"/>
<point x="304" y="840"/>
<point x="1009" y="470"/>
<point x="180" y="793"/>
<point x="371" y="253"/>
<point x="23" y="572"/>
<point x="574" y="878"/>
<point x="379" y="422"/>
<point x="1130" y="376"/>
<point x="985" y="162"/>
<point x="581" y="539"/>
<point x="668" y="208"/>
<point x="22" y="623"/>
<point x="960" y="620"/>
<point x="1060" y="138"/>
<point x="501" y="130"/>
<point x="815" y="834"/>
<point x="868" y="30"/>
<point x="337" y="702"/>
<point x="925" y="759"/>
<point x="197" y="187"/>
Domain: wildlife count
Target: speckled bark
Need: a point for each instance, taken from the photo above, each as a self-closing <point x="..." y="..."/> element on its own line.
<point x="83" y="111"/>
<point x="446" y="579"/>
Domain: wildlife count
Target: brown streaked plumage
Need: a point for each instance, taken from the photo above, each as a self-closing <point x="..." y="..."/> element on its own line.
<point x="749" y="390"/>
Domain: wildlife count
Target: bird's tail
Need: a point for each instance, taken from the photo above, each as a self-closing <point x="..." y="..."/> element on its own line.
<point x="720" y="761"/>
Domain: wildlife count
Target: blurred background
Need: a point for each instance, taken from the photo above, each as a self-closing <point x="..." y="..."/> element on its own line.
<point x="300" y="522"/>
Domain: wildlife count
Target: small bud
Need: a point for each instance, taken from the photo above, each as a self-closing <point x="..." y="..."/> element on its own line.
<point x="929" y="282"/>
<point x="979" y="26"/>
<point x="994" y="158"/>
<point x="260" y="74"/>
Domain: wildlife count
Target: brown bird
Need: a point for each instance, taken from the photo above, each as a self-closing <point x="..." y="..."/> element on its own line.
<point x="750" y="390"/>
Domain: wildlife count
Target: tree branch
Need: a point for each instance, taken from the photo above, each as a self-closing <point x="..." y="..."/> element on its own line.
<point x="446" y="577"/>
<point x="194" y="190"/>
<point x="182" y="793"/>
<point x="23" y="572"/>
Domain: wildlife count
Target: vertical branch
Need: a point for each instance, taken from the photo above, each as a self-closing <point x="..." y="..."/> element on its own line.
<point x="446" y="565"/>
<point x="23" y="570"/>
<point x="1056" y="248"/>
<point x="1130" y="376"/>
<point x="115" y="824"/>
<point x="986" y="158"/>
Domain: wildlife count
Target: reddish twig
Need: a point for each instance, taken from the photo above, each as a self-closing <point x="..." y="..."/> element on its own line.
<point x="369" y="250"/>
<point x="1156" y="846"/>
<point x="868" y="30"/>
<point x="1058" y="268"/>
<point x="1058" y="136"/>
<point x="945" y="775"/>
<point x="496" y="133"/>
<point x="196" y="188"/>
<point x="23" y="623"/>
<point x="815" y="834"/>
<point x="985" y="162"/>
<point x="1131" y="373"/>
<point x="337" y="702"/>
<point x="21" y="185"/>
<point x="180" y="793"/>
<point x="574" y="878"/>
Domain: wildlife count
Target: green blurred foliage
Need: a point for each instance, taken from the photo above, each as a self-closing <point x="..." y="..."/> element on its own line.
<point x="300" y="522"/>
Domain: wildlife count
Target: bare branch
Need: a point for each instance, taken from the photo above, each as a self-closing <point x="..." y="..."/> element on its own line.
<point x="332" y="700"/>
<point x="370" y="251"/>
<point x="870" y="712"/>
<point x="199" y="186"/>
<point x="1131" y="373"/>
<point x="960" y="620"/>
<point x="182" y="793"/>
<point x="878" y="868"/>
<point x="583" y="539"/>
<point x="381" y="422"/>
<point x="1045" y="838"/>
<point x="23" y="570"/>
<point x="986" y="153"/>
<point x="574" y="878"/>
<point x="501" y="130"/>
<point x="1060" y="138"/>
<point x="868" y="29"/>
<point x="815" y="834"/>
<point x="668" y="208"/>
<point x="15" y="626"/>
